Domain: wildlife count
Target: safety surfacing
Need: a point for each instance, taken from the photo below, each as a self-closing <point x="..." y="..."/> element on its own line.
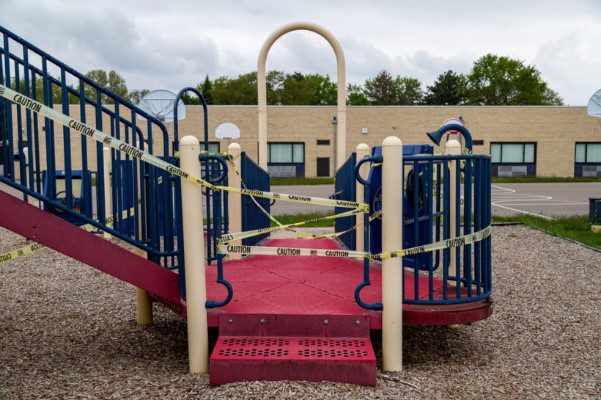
<point x="296" y="286"/>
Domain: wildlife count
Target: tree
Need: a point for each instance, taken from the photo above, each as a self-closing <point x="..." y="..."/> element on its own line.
<point x="447" y="90"/>
<point x="241" y="90"/>
<point x="409" y="91"/>
<point x="136" y="95"/>
<point x="111" y="81"/>
<point x="356" y="96"/>
<point x="497" y="80"/>
<point x="207" y="90"/>
<point x="311" y="89"/>
<point x="382" y="89"/>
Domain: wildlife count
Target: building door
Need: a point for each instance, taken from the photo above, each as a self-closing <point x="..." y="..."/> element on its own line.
<point x="323" y="166"/>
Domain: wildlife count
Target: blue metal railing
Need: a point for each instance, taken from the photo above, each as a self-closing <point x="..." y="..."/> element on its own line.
<point x="471" y="278"/>
<point x="58" y="164"/>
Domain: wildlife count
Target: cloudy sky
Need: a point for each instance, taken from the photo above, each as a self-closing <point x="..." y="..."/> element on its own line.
<point x="169" y="44"/>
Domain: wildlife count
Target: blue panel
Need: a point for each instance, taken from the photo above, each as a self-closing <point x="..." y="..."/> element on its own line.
<point x="254" y="177"/>
<point x="345" y="189"/>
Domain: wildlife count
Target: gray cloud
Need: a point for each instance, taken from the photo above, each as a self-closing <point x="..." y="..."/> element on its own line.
<point x="171" y="44"/>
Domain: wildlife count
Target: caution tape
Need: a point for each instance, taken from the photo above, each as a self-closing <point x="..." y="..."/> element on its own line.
<point x="31" y="248"/>
<point x="247" y="234"/>
<point x="119" y="145"/>
<point x="297" y="251"/>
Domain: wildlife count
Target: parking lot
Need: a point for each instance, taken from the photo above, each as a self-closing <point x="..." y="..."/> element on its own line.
<point x="539" y="199"/>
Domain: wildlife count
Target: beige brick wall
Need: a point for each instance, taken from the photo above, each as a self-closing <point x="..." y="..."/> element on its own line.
<point x="554" y="129"/>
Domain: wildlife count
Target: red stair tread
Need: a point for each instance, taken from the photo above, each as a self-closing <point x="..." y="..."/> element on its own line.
<point x="339" y="359"/>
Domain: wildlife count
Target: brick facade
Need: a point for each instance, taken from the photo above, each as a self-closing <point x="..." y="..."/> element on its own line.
<point x="554" y="129"/>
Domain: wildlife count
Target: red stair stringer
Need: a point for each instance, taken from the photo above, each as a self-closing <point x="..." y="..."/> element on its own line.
<point x="43" y="227"/>
<point x="293" y="347"/>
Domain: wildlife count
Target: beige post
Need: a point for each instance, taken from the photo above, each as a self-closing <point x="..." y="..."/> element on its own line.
<point x="234" y="199"/>
<point x="143" y="299"/>
<point x="340" y="78"/>
<point x="392" y="268"/>
<point x="108" y="197"/>
<point x="194" y="258"/>
<point x="452" y="147"/>
<point x="362" y="151"/>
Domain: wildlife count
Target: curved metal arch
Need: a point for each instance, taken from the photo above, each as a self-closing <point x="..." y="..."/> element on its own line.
<point x="205" y="111"/>
<point x="262" y="86"/>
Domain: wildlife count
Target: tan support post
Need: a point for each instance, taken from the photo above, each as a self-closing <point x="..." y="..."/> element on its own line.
<point x="340" y="81"/>
<point x="108" y="196"/>
<point x="362" y="151"/>
<point x="194" y="258"/>
<point x="234" y="199"/>
<point x="143" y="299"/>
<point x="452" y="147"/>
<point x="392" y="268"/>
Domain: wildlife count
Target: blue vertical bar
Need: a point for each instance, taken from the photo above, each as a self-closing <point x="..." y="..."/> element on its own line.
<point x="467" y="225"/>
<point x="429" y="227"/>
<point x="101" y="201"/>
<point x="477" y="218"/>
<point x="446" y="228"/>
<point x="457" y="205"/>
<point x="28" y="122"/>
<point x="489" y="221"/>
<point x="3" y="124"/>
<point x="9" y="166"/>
<point x="20" y="145"/>
<point x="36" y="137"/>
<point x="438" y="197"/>
<point x="416" y="257"/>
<point x="66" y="141"/>
<point x="49" y="134"/>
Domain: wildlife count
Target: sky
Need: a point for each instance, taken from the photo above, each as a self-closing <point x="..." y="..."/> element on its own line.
<point x="171" y="44"/>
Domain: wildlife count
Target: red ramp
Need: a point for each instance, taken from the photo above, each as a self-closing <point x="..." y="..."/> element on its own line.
<point x="43" y="227"/>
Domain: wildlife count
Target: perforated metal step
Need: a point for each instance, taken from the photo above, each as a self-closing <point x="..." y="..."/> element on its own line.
<point x="248" y="358"/>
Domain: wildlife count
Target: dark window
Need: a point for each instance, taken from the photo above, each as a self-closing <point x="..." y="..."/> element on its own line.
<point x="323" y="166"/>
<point x="286" y="153"/>
<point x="478" y="142"/>
<point x="587" y="153"/>
<point x="513" y="153"/>
<point x="213" y="147"/>
<point x="323" y="142"/>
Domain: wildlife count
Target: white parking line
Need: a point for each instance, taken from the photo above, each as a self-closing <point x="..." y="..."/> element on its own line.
<point x="509" y="194"/>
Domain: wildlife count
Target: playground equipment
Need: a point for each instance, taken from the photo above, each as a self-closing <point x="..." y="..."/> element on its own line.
<point x="298" y="308"/>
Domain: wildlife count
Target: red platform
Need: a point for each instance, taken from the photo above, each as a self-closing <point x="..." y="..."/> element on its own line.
<point x="296" y="286"/>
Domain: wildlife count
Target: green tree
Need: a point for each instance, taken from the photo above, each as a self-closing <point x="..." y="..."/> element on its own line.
<point x="311" y="89"/>
<point x="409" y="91"/>
<point x="382" y="89"/>
<point x="448" y="89"/>
<point x="136" y="95"/>
<point x="111" y="81"/>
<point x="241" y="90"/>
<point x="207" y="90"/>
<point x="497" y="80"/>
<point x="356" y="96"/>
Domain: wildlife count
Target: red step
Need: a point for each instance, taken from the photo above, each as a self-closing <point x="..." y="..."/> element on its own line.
<point x="307" y="348"/>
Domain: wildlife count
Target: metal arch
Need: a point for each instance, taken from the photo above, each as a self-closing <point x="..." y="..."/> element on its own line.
<point x="340" y="81"/>
<point x="205" y="111"/>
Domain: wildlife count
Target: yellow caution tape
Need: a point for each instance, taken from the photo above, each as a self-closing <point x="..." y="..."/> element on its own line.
<point x="119" y="145"/>
<point x="297" y="251"/>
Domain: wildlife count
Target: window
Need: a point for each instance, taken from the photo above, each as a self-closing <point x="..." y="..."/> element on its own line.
<point x="286" y="153"/>
<point x="513" y="153"/>
<point x="323" y="142"/>
<point x="213" y="147"/>
<point x="588" y="153"/>
<point x="478" y="142"/>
